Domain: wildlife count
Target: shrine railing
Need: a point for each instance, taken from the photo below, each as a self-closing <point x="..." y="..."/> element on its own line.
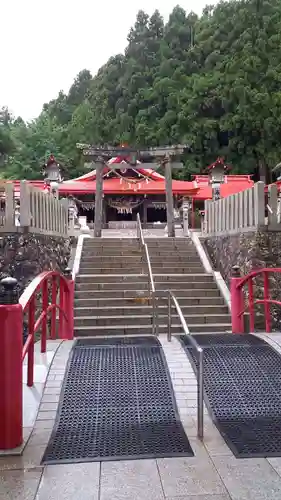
<point x="248" y="210"/>
<point x="44" y="310"/>
<point x="243" y="301"/>
<point x="37" y="211"/>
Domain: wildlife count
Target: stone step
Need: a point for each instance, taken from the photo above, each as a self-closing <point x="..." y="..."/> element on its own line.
<point x="110" y="278"/>
<point x="146" y="319"/>
<point x="113" y="270"/>
<point x="119" y="258"/>
<point x="171" y="259"/>
<point x="117" y="253"/>
<point x="120" y="285"/>
<point x="192" y="264"/>
<point x="94" y="263"/>
<point x="143" y="277"/>
<point x="168" y="250"/>
<point x="176" y="269"/>
<point x="152" y="243"/>
<point x="211" y="328"/>
<point x="141" y="294"/>
<point x="138" y="302"/>
<point x="180" y="285"/>
<point x="166" y="244"/>
<point x="184" y="281"/>
<point x="114" y="252"/>
<point x="174" y="250"/>
<point x="90" y="331"/>
<point x="142" y="269"/>
<point x="140" y="309"/>
<point x="89" y="242"/>
<point x="123" y="269"/>
<point x="98" y="263"/>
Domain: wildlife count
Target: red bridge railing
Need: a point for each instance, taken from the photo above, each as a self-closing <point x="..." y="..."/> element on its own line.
<point x="44" y="310"/>
<point x="242" y="304"/>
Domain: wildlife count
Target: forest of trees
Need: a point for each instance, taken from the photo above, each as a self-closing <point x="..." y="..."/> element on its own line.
<point x="212" y="82"/>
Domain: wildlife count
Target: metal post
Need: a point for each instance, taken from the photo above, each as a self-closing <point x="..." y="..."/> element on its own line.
<point x="169" y="319"/>
<point x="156" y="314"/>
<point x="152" y="294"/>
<point x="98" y="200"/>
<point x="68" y="333"/>
<point x="200" y="394"/>
<point x="169" y="198"/>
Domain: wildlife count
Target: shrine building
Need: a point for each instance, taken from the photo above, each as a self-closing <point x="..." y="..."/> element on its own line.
<point x="128" y="190"/>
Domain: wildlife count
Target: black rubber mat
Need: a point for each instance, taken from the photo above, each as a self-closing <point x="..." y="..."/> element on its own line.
<point x="242" y="384"/>
<point x="117" y="402"/>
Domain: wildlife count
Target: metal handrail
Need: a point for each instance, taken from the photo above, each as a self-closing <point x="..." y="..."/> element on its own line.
<point x="200" y="371"/>
<point x="151" y="284"/>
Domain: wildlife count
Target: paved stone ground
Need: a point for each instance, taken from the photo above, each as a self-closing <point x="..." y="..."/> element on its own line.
<point x="212" y="474"/>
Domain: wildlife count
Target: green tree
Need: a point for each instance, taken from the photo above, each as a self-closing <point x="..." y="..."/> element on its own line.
<point x="212" y="82"/>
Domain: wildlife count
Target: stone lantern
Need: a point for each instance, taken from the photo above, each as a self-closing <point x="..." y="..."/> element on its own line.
<point x="185" y="214"/>
<point x="217" y="172"/>
<point x="52" y="174"/>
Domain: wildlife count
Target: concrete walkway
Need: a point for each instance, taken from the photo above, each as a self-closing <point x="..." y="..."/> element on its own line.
<point x="212" y="474"/>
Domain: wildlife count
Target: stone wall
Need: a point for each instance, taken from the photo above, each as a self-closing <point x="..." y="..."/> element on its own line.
<point x="249" y="250"/>
<point x="24" y="256"/>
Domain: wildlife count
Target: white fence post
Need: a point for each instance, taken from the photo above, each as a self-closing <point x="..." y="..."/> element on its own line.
<point x="272" y="204"/>
<point x="25" y="215"/>
<point x="239" y="211"/>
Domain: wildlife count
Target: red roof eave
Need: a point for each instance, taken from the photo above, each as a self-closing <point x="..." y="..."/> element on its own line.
<point x="113" y="186"/>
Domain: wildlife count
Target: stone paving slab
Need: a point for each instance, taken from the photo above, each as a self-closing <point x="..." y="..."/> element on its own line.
<point x="249" y="479"/>
<point x="70" y="482"/>
<point x="200" y="497"/>
<point x="190" y="476"/>
<point x="130" y="480"/>
<point x="19" y="484"/>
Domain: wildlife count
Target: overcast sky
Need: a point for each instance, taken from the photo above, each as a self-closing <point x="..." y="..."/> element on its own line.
<point x="44" y="44"/>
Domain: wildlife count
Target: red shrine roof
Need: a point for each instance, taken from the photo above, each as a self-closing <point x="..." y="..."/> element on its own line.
<point x="232" y="184"/>
<point x="114" y="186"/>
<point x="150" y="182"/>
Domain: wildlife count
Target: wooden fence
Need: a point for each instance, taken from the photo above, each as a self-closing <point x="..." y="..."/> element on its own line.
<point x="37" y="211"/>
<point x="244" y="211"/>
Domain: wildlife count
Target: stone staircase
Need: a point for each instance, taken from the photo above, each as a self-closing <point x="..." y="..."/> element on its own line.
<point x="176" y="266"/>
<point x="112" y="293"/>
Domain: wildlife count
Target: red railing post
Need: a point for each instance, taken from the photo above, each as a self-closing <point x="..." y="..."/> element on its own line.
<point x="45" y="303"/>
<point x="62" y="311"/>
<point x="251" y="305"/>
<point x="237" y="306"/>
<point x="30" y="352"/>
<point x="266" y="304"/>
<point x="54" y="312"/>
<point x="69" y="305"/>
<point x="11" y="343"/>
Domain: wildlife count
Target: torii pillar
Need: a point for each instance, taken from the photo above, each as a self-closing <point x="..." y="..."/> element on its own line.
<point x="99" y="199"/>
<point x="169" y="197"/>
